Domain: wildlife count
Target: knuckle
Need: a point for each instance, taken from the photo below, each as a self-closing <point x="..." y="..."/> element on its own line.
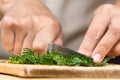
<point x="115" y="25"/>
<point x="7" y="19"/>
<point x="94" y="35"/>
<point x="103" y="9"/>
<point x="107" y="6"/>
<point x="45" y="19"/>
<point x="103" y="48"/>
<point x="50" y="20"/>
<point x="7" y="22"/>
<point x="35" y="19"/>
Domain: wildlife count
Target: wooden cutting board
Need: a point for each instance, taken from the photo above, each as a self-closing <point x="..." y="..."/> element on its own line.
<point x="109" y="71"/>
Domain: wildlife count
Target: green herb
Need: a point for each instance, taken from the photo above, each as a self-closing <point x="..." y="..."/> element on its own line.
<point x="54" y="58"/>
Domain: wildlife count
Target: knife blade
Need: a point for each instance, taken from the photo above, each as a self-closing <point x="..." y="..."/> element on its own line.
<point x="66" y="52"/>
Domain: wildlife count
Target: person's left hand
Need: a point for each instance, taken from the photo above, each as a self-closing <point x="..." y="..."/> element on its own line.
<point x="29" y="25"/>
<point x="103" y="35"/>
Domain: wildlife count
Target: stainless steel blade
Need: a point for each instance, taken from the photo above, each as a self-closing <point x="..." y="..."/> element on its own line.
<point x="64" y="51"/>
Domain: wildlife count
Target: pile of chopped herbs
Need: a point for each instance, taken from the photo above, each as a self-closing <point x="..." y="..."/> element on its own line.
<point x="54" y="58"/>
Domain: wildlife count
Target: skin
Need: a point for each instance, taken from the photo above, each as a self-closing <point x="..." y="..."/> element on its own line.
<point x="27" y="24"/>
<point x="103" y="35"/>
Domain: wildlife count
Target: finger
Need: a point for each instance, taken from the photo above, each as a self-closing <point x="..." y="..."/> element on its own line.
<point x="115" y="51"/>
<point x="7" y="39"/>
<point x="19" y="38"/>
<point x="7" y="33"/>
<point x="28" y="41"/>
<point x="44" y="36"/>
<point x="27" y="26"/>
<point x="21" y="32"/>
<point x="96" y="30"/>
<point x="59" y="40"/>
<point x="105" y="45"/>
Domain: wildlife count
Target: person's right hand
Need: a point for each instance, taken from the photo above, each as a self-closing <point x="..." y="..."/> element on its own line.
<point x="103" y="35"/>
<point x="28" y="24"/>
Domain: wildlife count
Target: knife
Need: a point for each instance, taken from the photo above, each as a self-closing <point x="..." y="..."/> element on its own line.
<point x="66" y="52"/>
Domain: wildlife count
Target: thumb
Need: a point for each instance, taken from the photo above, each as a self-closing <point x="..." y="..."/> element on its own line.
<point x="59" y="40"/>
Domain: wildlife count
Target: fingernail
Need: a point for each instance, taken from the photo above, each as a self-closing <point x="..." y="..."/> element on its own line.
<point x="97" y="57"/>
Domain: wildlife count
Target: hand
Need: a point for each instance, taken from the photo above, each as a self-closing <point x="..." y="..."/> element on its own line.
<point x="103" y="35"/>
<point x="29" y="25"/>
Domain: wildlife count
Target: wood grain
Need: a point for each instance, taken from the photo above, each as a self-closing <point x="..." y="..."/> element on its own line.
<point x="52" y="71"/>
<point x="9" y="77"/>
